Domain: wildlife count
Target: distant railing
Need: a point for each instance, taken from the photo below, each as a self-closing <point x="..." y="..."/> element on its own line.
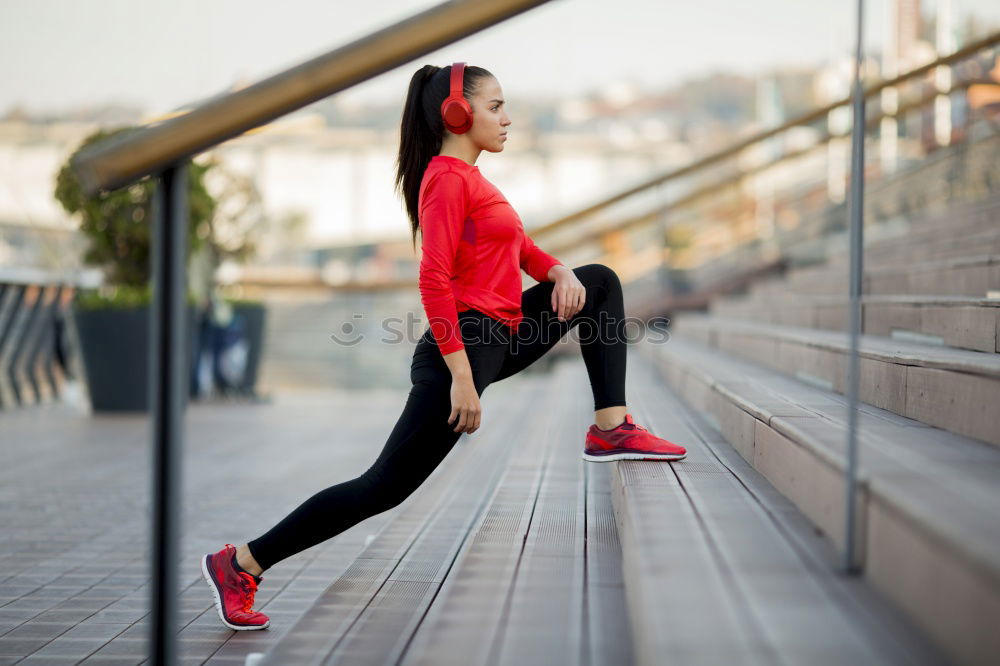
<point x="35" y="348"/>
<point x="734" y="198"/>
<point x="803" y="120"/>
<point x="702" y="192"/>
<point x="639" y="230"/>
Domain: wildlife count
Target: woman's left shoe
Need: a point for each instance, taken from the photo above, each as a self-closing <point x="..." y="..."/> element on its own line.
<point x="233" y="591"/>
<point x="629" y="441"/>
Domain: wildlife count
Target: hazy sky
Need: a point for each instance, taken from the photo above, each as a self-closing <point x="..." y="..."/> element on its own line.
<point x="58" y="54"/>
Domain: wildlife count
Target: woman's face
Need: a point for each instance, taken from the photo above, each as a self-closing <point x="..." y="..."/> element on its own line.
<point x="489" y="118"/>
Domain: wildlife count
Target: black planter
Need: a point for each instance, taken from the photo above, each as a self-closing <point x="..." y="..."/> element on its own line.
<point x="254" y="318"/>
<point x="114" y="345"/>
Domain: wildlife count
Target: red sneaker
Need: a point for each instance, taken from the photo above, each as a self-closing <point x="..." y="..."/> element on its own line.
<point x="629" y="441"/>
<point x="233" y="591"/>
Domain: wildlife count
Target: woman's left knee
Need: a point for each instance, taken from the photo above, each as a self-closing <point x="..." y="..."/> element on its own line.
<point x="605" y="275"/>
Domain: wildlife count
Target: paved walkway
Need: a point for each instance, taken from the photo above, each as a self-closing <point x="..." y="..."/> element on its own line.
<point x="510" y="553"/>
<point x="74" y="502"/>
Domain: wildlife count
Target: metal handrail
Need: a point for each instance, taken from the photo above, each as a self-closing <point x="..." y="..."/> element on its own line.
<point x="122" y="159"/>
<point x="730" y="151"/>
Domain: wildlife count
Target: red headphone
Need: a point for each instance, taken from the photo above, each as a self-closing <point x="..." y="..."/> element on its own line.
<point x="455" y="110"/>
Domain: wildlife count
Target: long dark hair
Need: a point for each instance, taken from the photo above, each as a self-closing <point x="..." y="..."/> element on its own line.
<point x="422" y="130"/>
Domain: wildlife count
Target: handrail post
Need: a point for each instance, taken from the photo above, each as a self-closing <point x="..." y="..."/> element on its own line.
<point x="168" y="370"/>
<point x="856" y="206"/>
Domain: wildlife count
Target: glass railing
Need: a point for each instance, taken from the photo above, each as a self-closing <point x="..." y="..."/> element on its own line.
<point x="38" y="352"/>
<point x="778" y="196"/>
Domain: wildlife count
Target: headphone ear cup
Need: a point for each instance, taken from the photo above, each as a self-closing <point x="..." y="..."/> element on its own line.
<point x="457" y="115"/>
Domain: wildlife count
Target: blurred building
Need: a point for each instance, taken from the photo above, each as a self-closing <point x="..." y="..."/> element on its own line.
<point x="325" y="175"/>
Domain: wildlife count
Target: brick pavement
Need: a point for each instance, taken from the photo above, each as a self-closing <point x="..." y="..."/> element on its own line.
<point x="74" y="502"/>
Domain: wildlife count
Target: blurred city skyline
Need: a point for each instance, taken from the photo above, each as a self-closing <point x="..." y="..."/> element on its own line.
<point x="54" y="57"/>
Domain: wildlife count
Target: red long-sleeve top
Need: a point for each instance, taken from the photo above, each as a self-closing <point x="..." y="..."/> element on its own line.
<point x="474" y="247"/>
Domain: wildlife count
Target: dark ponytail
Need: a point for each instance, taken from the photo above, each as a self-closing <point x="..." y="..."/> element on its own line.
<point x="422" y="131"/>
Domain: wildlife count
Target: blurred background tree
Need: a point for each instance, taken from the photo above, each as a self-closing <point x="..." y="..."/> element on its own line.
<point x="118" y="224"/>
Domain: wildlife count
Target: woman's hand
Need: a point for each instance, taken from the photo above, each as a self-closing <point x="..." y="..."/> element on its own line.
<point x="568" y="295"/>
<point x="465" y="405"/>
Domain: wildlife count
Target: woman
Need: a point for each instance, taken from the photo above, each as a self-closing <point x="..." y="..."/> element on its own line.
<point x="482" y="328"/>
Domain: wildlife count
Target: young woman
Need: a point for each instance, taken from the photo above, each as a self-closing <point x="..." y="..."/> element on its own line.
<point x="482" y="328"/>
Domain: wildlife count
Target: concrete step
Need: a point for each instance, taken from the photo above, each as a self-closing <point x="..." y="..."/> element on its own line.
<point x="975" y="276"/>
<point x="507" y="554"/>
<point x="721" y="568"/>
<point x="948" y="232"/>
<point x="956" y="390"/>
<point x="510" y="554"/>
<point x="952" y="321"/>
<point x="953" y="221"/>
<point x="516" y="591"/>
<point x="914" y="247"/>
<point x="955" y="213"/>
<point x="929" y="228"/>
<point x="969" y="276"/>
<point x="927" y="535"/>
<point x="961" y="232"/>
<point x="902" y="252"/>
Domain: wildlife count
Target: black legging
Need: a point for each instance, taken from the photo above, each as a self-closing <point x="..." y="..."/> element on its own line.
<point x="422" y="436"/>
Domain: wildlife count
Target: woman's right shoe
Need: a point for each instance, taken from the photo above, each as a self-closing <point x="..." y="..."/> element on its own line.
<point x="629" y="441"/>
<point x="233" y="591"/>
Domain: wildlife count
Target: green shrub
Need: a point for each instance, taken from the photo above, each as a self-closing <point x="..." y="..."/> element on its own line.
<point x="118" y="227"/>
<point x="118" y="297"/>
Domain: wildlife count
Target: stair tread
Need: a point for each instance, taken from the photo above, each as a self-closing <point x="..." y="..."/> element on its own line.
<point x="521" y="520"/>
<point x="890" y="299"/>
<point x="386" y="591"/>
<point x="945" y="481"/>
<point x="725" y="556"/>
<point x="936" y="264"/>
<point x="894" y="248"/>
<point x="869" y="346"/>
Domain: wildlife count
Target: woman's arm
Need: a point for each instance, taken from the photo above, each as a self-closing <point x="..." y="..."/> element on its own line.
<point x="535" y="262"/>
<point x="555" y="270"/>
<point x="442" y="214"/>
<point x="568" y="294"/>
<point x="465" y="406"/>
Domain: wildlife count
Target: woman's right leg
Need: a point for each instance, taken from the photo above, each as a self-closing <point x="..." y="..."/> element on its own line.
<point x="420" y="440"/>
<point x="603" y="337"/>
